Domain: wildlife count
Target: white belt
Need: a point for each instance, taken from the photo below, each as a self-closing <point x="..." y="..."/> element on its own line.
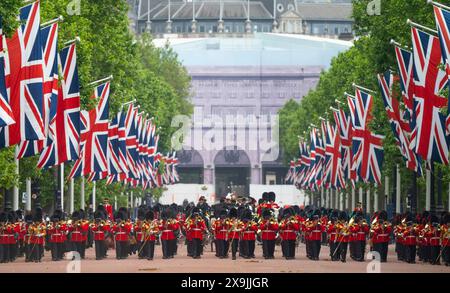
<point x="78" y="232"/>
<point x="361" y="233"/>
<point x="120" y="232"/>
<point x="316" y="231"/>
<point x="196" y="229"/>
<point x="223" y="230"/>
<point x="104" y="232"/>
<point x="435" y="238"/>
<point x="248" y="231"/>
<point x="268" y="231"/>
<point x="57" y="234"/>
<point x="289" y="231"/>
<point x="167" y="230"/>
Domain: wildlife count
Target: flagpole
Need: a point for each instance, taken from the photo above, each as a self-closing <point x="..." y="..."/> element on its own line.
<point x="363" y="88"/>
<point x="76" y="40"/>
<point x="375" y="198"/>
<point x="428" y="192"/>
<point x="71" y="196"/>
<point x="101" y="80"/>
<point x="58" y="19"/>
<point x="61" y="182"/>
<point x="353" y="198"/>
<point x="398" y="195"/>
<point x="437" y="4"/>
<point x="419" y="26"/>
<point x="28" y="203"/>
<point x="386" y="188"/>
<point x="360" y="195"/>
<point x="368" y="207"/>
<point x="16" y="188"/>
<point x="94" y="190"/>
<point x="448" y="197"/>
<point x="395" y="43"/>
<point x="321" y="197"/>
<point x="131" y="204"/>
<point x="82" y="204"/>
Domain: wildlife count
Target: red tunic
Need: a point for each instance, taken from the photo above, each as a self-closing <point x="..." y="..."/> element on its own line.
<point x="109" y="211"/>
<point x="220" y="229"/>
<point x="57" y="233"/>
<point x="122" y="231"/>
<point x="167" y="229"/>
<point x="268" y="230"/>
<point x="380" y="235"/>
<point x="288" y="230"/>
<point x="196" y="229"/>
<point x="249" y="232"/>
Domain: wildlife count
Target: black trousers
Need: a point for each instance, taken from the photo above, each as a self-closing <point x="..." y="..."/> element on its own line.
<point x="234" y="247"/>
<point x="54" y="248"/>
<point x="409" y="253"/>
<point x="382" y="249"/>
<point x="343" y="251"/>
<point x="289" y="248"/>
<point x="36" y="251"/>
<point x="166" y="248"/>
<point x="244" y="248"/>
<point x="122" y="249"/>
<point x="268" y="248"/>
<point x="315" y="248"/>
<point x="251" y="248"/>
<point x="173" y="247"/>
<point x="308" y="249"/>
<point x="333" y="252"/>
<point x="197" y="247"/>
<point x="100" y="249"/>
<point x="434" y="254"/>
<point x="79" y="247"/>
<point x="4" y="253"/>
<point x="189" y="247"/>
<point x="149" y="249"/>
<point x="21" y="249"/>
<point x="358" y="249"/>
<point x="446" y="255"/>
<point x="221" y="248"/>
<point x="426" y="253"/>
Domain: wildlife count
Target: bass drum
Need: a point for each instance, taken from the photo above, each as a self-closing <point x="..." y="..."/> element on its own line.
<point x="109" y="240"/>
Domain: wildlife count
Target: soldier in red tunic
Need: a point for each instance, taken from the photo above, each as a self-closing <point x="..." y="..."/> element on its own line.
<point x="234" y="232"/>
<point x="360" y="229"/>
<point x="220" y="228"/>
<point x="37" y="235"/>
<point x="150" y="230"/>
<point x="168" y="225"/>
<point x="4" y="249"/>
<point x="100" y="229"/>
<point x="56" y="232"/>
<point x="78" y="230"/>
<point x="435" y="241"/>
<point x="379" y="232"/>
<point x="122" y="231"/>
<point x="343" y="235"/>
<point x="248" y="237"/>
<point x="196" y="226"/>
<point x="409" y="236"/>
<point x="288" y="232"/>
<point x="269" y="229"/>
<point x="332" y="235"/>
<point x="108" y="208"/>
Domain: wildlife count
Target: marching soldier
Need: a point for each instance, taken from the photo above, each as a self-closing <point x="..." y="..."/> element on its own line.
<point x="37" y="236"/>
<point x="360" y="229"/>
<point x="269" y="229"/>
<point x="196" y="227"/>
<point x="435" y="241"/>
<point x="150" y="230"/>
<point x="100" y="229"/>
<point x="248" y="235"/>
<point x="78" y="231"/>
<point x="108" y="208"/>
<point x="343" y="236"/>
<point x="332" y="235"/>
<point x="399" y="231"/>
<point x="122" y="231"/>
<point x="168" y="226"/>
<point x="409" y="238"/>
<point x="288" y="232"/>
<point x="380" y="231"/>
<point x="220" y="228"/>
<point x="56" y="232"/>
<point x="138" y="225"/>
<point x="234" y="232"/>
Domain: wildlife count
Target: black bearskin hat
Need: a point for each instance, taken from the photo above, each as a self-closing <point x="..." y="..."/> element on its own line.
<point x="75" y="216"/>
<point x="246" y="215"/>
<point x="223" y="214"/>
<point x="343" y="216"/>
<point x="19" y="214"/>
<point x="12" y="217"/>
<point x="3" y="217"/>
<point x="266" y="213"/>
<point x="117" y="216"/>
<point x="296" y="209"/>
<point x="82" y="214"/>
<point x="28" y="218"/>
<point x="37" y="215"/>
<point x="141" y="213"/>
<point x="233" y="213"/>
<point x="334" y="215"/>
<point x="149" y="216"/>
<point x="265" y="196"/>
<point x="271" y="196"/>
<point x="382" y="216"/>
<point x="54" y="218"/>
<point x="288" y="212"/>
<point x="98" y="215"/>
<point x="165" y="214"/>
<point x="195" y="211"/>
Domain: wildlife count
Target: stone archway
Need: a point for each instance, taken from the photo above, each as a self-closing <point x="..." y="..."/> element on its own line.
<point x="232" y="172"/>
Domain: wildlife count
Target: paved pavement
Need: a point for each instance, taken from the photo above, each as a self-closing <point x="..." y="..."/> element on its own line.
<point x="209" y="263"/>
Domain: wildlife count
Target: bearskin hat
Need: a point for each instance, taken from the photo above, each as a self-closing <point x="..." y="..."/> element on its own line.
<point x="233" y="213"/>
<point x="382" y="216"/>
<point x="117" y="216"/>
<point x="343" y="216"/>
<point x="165" y="214"/>
<point x="82" y="214"/>
<point x="271" y="196"/>
<point x="75" y="216"/>
<point x="54" y="218"/>
<point x="12" y="217"/>
<point x="29" y="218"/>
<point x="288" y="212"/>
<point x="149" y="215"/>
<point x="3" y="217"/>
<point x="265" y="196"/>
<point x="296" y="209"/>
<point x="19" y="214"/>
<point x="141" y="213"/>
<point x="223" y="213"/>
<point x="37" y="215"/>
<point x="246" y="215"/>
<point x="266" y="213"/>
<point x="98" y="215"/>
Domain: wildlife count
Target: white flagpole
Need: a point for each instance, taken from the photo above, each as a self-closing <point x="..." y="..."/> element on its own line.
<point x="398" y="195"/>
<point x="115" y="201"/>
<point x="360" y="195"/>
<point x="353" y="198"/>
<point x="94" y="190"/>
<point x="321" y="197"/>
<point x="16" y="189"/>
<point x="368" y="200"/>
<point x="375" y="198"/>
<point x="82" y="204"/>
<point x="386" y="188"/>
<point x="61" y="170"/>
<point x="131" y="204"/>
<point x="71" y="197"/>
<point x="428" y="192"/>
<point x="28" y="203"/>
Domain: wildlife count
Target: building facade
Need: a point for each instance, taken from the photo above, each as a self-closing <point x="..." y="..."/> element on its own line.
<point x="210" y="17"/>
<point x="238" y="86"/>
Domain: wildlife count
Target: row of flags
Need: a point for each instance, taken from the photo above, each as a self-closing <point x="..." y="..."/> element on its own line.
<point x="40" y="113"/>
<point x="350" y="151"/>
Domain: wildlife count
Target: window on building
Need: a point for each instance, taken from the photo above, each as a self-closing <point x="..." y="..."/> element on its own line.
<point x="336" y="30"/>
<point x="202" y="28"/>
<point x="325" y="30"/>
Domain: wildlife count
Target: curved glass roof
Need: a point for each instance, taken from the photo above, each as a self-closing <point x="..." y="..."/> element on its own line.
<point x="262" y="49"/>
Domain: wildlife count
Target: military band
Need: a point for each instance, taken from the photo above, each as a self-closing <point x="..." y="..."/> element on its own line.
<point x="234" y="228"/>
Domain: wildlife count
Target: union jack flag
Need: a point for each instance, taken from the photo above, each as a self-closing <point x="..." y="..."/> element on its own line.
<point x="24" y="78"/>
<point x="6" y="115"/>
<point x="429" y="136"/>
<point x="405" y="68"/>
<point x="94" y="136"/>
<point x="391" y="104"/>
<point x="443" y="26"/>
<point x="65" y="126"/>
<point x="335" y="175"/>
<point x="367" y="146"/>
<point x="28" y="148"/>
<point x="132" y="144"/>
<point x="175" y="176"/>
<point x="344" y="127"/>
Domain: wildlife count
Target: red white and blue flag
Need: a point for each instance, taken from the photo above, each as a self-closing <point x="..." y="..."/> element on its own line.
<point x="24" y="79"/>
<point x="6" y="115"/>
<point x="429" y="139"/>
<point x="64" y="143"/>
<point x="344" y="127"/>
<point x="28" y="148"/>
<point x="94" y="136"/>
<point x="335" y="175"/>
